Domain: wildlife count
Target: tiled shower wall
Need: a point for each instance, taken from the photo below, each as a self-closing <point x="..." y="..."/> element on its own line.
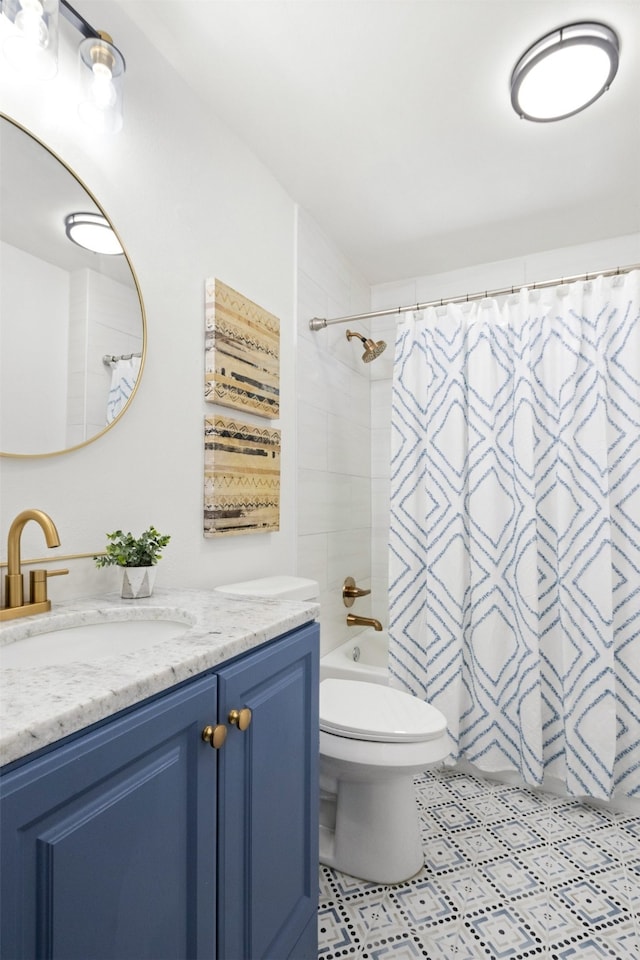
<point x="334" y="432"/>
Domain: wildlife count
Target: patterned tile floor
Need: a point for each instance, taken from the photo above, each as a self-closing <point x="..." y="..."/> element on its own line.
<point x="508" y="873"/>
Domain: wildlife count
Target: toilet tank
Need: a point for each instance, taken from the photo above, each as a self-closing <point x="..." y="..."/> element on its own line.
<point x="278" y="588"/>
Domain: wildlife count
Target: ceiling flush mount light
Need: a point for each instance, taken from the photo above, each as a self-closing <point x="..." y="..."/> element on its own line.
<point x="564" y="72"/>
<point x="31" y="44"/>
<point x="93" y="232"/>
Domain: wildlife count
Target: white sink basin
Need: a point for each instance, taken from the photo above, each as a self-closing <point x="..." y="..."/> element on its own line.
<point x="87" y="642"/>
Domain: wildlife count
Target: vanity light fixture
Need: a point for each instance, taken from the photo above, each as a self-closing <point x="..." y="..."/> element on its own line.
<point x="93" y="232"/>
<point x="564" y="72"/>
<point x="31" y="44"/>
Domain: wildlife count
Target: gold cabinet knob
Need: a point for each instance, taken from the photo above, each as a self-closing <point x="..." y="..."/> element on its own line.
<point x="240" y="718"/>
<point x="215" y="736"/>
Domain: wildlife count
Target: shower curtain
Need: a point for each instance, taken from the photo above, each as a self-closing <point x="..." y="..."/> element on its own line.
<point x="515" y="530"/>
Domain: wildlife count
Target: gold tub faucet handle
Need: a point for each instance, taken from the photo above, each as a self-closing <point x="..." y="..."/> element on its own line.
<point x="350" y="591"/>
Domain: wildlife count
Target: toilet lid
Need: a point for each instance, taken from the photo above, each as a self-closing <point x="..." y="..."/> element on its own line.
<point x="372" y="711"/>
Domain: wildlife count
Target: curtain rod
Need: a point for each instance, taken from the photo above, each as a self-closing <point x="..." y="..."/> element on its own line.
<point x="318" y="323"/>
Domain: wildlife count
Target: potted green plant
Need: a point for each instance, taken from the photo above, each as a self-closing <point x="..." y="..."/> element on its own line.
<point x="138" y="556"/>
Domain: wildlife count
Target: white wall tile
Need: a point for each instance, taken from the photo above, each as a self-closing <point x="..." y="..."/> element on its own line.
<point x="312" y="558"/>
<point x="334" y="458"/>
<point x="349" y="447"/>
<point x="381" y="404"/>
<point x="381" y="451"/>
<point x="312" y="302"/>
<point x="349" y="555"/>
<point x="312" y="437"/>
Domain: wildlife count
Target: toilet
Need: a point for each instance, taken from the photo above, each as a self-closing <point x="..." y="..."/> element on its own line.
<point x="373" y="740"/>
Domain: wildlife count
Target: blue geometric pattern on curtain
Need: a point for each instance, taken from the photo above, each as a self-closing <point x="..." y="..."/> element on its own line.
<point x="515" y="530"/>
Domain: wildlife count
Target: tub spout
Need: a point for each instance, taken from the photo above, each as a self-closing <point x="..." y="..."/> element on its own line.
<point x="354" y="621"/>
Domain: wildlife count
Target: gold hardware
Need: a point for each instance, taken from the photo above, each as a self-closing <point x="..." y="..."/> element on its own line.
<point x="371" y="348"/>
<point x="59" y="557"/>
<point x="26" y="610"/>
<point x="38" y="583"/>
<point x="353" y="621"/>
<point x="240" y="718"/>
<point x="350" y="591"/>
<point x="14" y="592"/>
<point x="215" y="736"/>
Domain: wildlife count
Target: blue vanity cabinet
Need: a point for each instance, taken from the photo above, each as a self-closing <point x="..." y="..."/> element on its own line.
<point x="109" y="841"/>
<point x="268" y="804"/>
<point x="138" y="841"/>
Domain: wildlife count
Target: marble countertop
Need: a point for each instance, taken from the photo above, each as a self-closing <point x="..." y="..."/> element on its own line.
<point x="40" y="704"/>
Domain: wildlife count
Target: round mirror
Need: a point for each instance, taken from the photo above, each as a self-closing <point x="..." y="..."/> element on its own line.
<point x="72" y="323"/>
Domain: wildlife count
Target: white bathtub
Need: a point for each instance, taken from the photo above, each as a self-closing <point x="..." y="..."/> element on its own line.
<point x="372" y="665"/>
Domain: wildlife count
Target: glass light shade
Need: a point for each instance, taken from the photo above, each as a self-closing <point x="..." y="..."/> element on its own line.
<point x="31" y="45"/>
<point x="93" y="232"/>
<point x="564" y="72"/>
<point x="102" y="69"/>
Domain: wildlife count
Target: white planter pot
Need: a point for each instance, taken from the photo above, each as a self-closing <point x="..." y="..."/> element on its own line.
<point x="137" y="582"/>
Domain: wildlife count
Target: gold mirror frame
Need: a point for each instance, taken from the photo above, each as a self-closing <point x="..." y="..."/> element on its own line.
<point x="94" y="200"/>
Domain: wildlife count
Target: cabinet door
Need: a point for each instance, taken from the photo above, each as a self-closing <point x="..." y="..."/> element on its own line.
<point x="108" y="842"/>
<point x="268" y="803"/>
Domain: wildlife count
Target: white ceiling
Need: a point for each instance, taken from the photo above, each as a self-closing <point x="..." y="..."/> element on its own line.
<point x="390" y="121"/>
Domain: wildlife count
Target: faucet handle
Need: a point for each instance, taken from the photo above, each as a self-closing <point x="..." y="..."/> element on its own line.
<point x="38" y="583"/>
<point x="350" y="591"/>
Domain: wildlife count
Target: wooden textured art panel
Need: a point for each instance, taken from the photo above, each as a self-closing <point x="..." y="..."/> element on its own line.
<point x="241" y="478"/>
<point x="242" y="352"/>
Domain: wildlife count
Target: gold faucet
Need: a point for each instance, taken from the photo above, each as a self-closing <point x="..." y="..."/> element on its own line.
<point x="14" y="590"/>
<point x="354" y="621"/>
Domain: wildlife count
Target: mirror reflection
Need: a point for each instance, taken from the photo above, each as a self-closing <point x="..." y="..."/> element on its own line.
<point x="72" y="328"/>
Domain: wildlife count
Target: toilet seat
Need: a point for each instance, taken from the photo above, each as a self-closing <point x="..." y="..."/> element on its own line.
<point x="371" y="711"/>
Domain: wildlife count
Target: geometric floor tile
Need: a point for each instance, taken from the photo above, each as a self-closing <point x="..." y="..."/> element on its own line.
<point x="335" y="933"/>
<point x="510" y="878"/>
<point x="517" y="835"/>
<point x="589" y="904"/>
<point x="585" y="854"/>
<point x="423" y="904"/>
<point x="503" y="932"/>
<point x="509" y="874"/>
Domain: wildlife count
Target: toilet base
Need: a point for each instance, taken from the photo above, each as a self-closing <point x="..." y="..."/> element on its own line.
<point x="373" y="830"/>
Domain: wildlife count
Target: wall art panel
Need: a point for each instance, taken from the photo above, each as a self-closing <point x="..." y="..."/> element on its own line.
<point x="241" y="478"/>
<point x="242" y="352"/>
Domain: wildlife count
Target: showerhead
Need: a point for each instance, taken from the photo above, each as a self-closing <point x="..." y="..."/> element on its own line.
<point x="371" y="348"/>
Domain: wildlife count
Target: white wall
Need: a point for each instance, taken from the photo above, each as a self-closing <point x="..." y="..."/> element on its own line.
<point x="548" y="265"/>
<point x="189" y="201"/>
<point x="104" y="320"/>
<point x="334" y="435"/>
<point x="34" y="315"/>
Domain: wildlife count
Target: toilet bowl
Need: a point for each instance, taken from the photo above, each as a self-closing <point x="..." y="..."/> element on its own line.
<point x="373" y="740"/>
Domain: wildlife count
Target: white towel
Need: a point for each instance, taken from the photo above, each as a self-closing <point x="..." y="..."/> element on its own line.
<point x="123" y="380"/>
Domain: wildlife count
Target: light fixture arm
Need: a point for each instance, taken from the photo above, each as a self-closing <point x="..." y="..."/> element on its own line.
<point x="77" y="21"/>
<point x="84" y="27"/>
